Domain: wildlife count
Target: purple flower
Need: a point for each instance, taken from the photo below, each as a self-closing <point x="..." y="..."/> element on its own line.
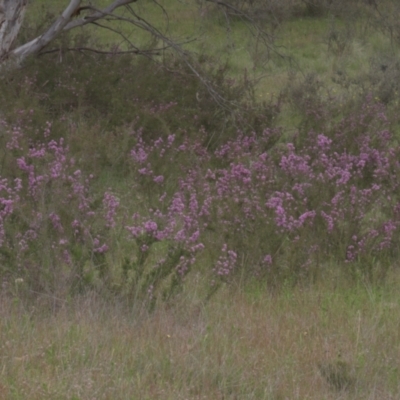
<point x="267" y="259"/>
<point x="150" y="226"/>
<point x="139" y="155"/>
<point x="110" y="203"/>
<point x="158" y="179"/>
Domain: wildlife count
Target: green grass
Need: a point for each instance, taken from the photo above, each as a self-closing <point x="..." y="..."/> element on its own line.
<point x="303" y="40"/>
<point x="244" y="344"/>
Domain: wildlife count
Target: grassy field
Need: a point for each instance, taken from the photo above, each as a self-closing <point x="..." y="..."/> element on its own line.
<point x="335" y="335"/>
<point x="243" y="345"/>
<point x="306" y="42"/>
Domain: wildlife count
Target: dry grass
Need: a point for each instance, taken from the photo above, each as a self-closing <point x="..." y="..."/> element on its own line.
<point x="244" y="344"/>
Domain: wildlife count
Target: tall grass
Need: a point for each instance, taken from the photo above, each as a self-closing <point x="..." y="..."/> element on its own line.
<point x="241" y="345"/>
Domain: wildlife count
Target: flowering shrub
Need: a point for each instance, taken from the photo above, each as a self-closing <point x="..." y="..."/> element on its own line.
<point x="332" y="198"/>
<point x="48" y="224"/>
<point x="275" y="211"/>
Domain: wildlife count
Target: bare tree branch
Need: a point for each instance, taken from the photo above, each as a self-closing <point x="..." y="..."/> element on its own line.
<point x="37" y="44"/>
<point x="253" y="25"/>
<point x="152" y="52"/>
<point x="64" y="22"/>
<point x="97" y="14"/>
<point x="75" y="15"/>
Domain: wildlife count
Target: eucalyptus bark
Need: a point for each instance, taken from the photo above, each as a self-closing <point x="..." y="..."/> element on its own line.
<point x="11" y="18"/>
<point x="37" y="44"/>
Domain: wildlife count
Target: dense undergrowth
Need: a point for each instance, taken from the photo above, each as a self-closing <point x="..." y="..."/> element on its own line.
<point x="119" y="176"/>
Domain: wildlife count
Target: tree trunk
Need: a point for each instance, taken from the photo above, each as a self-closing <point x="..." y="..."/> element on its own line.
<point x="11" y="17"/>
<point x="35" y="45"/>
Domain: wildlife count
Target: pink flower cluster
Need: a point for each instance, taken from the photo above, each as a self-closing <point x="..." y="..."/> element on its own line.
<point x="331" y="193"/>
<point x="318" y="196"/>
<point x="47" y="204"/>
